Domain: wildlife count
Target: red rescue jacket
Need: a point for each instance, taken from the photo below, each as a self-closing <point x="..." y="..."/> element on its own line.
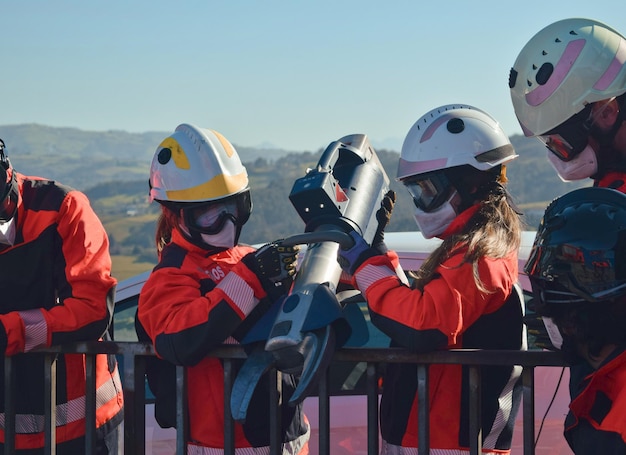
<point x="595" y="422"/>
<point x="613" y="179"/>
<point x="57" y="288"/>
<point x="192" y="302"/>
<point x="451" y="313"/>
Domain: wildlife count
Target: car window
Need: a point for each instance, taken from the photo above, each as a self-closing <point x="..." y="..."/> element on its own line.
<point x="124" y="319"/>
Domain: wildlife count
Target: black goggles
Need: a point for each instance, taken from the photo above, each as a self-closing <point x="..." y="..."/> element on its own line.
<point x="210" y="217"/>
<point x="571" y="137"/>
<point x="430" y="190"/>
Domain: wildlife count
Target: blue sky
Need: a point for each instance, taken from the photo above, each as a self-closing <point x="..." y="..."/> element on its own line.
<point x="294" y="74"/>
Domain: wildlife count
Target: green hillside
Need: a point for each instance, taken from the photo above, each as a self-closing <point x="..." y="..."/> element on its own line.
<point x="112" y="169"/>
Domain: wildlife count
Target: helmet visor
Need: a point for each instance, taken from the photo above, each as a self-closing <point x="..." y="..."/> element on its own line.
<point x="571" y="137"/>
<point x="210" y="217"/>
<point x="569" y="273"/>
<point x="430" y="190"/>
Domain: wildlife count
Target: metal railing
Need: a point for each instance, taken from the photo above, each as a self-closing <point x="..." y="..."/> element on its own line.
<point x="133" y="356"/>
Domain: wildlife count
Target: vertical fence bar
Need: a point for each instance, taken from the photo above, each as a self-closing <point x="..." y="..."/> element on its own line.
<point x="136" y="383"/>
<point x="181" y="410"/>
<point x="50" y="403"/>
<point x="528" y="407"/>
<point x="372" y="409"/>
<point x="276" y="424"/>
<point x="9" y="406"/>
<point x="229" y="423"/>
<point x="130" y="405"/>
<point x="90" y="403"/>
<point x="475" y="422"/>
<point x="423" y="405"/>
<point x="324" y="413"/>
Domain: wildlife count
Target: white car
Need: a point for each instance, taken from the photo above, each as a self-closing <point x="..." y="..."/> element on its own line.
<point x="348" y="434"/>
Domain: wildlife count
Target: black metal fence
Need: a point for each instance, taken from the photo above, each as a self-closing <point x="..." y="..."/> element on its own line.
<point x="133" y="356"/>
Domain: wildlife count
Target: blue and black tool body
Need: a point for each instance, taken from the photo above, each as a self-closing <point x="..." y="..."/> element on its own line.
<point x="342" y="194"/>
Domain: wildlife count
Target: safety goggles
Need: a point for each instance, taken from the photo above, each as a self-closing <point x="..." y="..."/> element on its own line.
<point x="571" y="137"/>
<point x="430" y="190"/>
<point x="210" y="217"/>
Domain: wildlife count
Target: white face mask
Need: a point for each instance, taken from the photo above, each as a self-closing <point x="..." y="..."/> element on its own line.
<point x="223" y="239"/>
<point x="434" y="223"/>
<point x="7" y="232"/>
<point x="583" y="165"/>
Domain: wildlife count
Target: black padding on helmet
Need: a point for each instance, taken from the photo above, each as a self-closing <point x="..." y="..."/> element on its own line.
<point x="579" y="253"/>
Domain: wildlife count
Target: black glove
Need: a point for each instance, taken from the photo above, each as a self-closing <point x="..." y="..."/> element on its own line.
<point x="274" y="264"/>
<point x="383" y="216"/>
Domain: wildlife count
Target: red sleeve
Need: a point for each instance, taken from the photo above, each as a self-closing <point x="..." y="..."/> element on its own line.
<point x="450" y="303"/>
<point x="85" y="290"/>
<point x="183" y="322"/>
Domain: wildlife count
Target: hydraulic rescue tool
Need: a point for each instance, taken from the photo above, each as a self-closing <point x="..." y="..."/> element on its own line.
<point x="342" y="194"/>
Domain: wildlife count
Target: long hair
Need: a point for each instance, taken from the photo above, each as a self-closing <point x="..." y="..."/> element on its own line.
<point x="493" y="231"/>
<point x="166" y="222"/>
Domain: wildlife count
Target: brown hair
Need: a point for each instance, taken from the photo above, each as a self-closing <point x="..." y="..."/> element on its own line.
<point x="165" y="224"/>
<point x="493" y="231"/>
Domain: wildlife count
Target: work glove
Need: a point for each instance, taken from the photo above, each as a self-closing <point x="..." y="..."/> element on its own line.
<point x="350" y="259"/>
<point x="383" y="216"/>
<point x="275" y="266"/>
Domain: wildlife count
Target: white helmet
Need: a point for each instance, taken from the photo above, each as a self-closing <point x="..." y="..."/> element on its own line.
<point x="563" y="68"/>
<point x="447" y="154"/>
<point x="454" y="135"/>
<point x="196" y="165"/>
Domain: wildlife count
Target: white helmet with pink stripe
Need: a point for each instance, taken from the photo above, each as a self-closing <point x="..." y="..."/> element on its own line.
<point x="454" y="135"/>
<point x="563" y="68"/>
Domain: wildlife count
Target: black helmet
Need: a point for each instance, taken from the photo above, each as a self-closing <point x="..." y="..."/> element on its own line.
<point x="579" y="253"/>
<point x="8" y="187"/>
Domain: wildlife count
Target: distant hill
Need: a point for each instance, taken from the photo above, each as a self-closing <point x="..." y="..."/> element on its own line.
<point x="91" y="157"/>
<point x="112" y="169"/>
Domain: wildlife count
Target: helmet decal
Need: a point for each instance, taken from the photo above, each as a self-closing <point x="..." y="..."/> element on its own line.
<point x="211" y="189"/>
<point x="614" y="68"/>
<point x="228" y="148"/>
<point x="176" y="153"/>
<point x="551" y="77"/>
<point x="419" y="167"/>
<point x="433" y="127"/>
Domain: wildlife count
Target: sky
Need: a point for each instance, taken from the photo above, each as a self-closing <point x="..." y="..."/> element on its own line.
<point x="295" y="75"/>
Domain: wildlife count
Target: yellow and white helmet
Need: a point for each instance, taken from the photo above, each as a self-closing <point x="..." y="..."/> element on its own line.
<point x="197" y="174"/>
<point x="196" y="165"/>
